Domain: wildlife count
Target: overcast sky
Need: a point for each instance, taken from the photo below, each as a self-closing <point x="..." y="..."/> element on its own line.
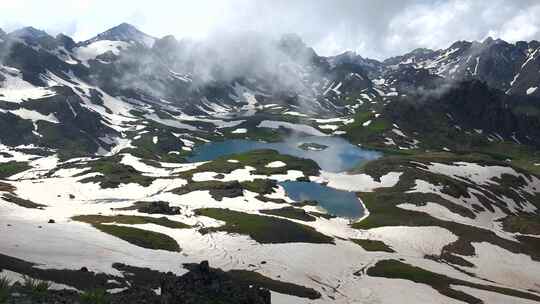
<point x="372" y="28"/>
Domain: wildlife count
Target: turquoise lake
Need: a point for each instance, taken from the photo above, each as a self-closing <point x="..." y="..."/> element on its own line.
<point x="339" y="156"/>
<point x="336" y="202"/>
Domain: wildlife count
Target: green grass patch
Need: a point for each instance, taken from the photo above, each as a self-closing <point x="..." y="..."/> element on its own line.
<point x="254" y="278"/>
<point x="371" y="134"/>
<point x="11" y="168"/>
<point x="373" y="245"/>
<point x="263" y="229"/>
<point x="217" y="189"/>
<point x="522" y="156"/>
<point x="130" y="220"/>
<point x="261" y="186"/>
<point x="167" y="142"/>
<point x="394" y="269"/>
<point x="5" y="286"/>
<point x="113" y="173"/>
<point x="291" y="212"/>
<point x="525" y="224"/>
<point x="258" y="159"/>
<point x="140" y="237"/>
<point x="382" y="203"/>
<point x="95" y="296"/>
<point x="38" y="288"/>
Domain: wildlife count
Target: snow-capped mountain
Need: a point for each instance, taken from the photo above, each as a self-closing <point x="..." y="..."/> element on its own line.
<point x="28" y="33"/>
<point x="124" y="159"/>
<point x="88" y="93"/>
<point x="124" y="32"/>
<point x="509" y="67"/>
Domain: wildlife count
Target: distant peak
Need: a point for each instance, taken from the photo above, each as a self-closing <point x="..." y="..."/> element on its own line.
<point x="124" y="26"/>
<point x="489" y="39"/>
<point x="122" y="29"/>
<point x="124" y="32"/>
<point x="349" y="53"/>
<point x="422" y="51"/>
<point x="292" y="38"/>
<point x="28" y="32"/>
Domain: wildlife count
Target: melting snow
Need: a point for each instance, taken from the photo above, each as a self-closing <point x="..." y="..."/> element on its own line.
<point x="91" y="51"/>
<point x="272" y="124"/>
<point x="34" y="115"/>
<point x="14" y="89"/>
<point x="239" y="131"/>
<point x="276" y="164"/>
<point x="356" y="182"/>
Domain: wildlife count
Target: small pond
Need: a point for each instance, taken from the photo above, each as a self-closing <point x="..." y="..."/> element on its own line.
<point x="336" y="202"/>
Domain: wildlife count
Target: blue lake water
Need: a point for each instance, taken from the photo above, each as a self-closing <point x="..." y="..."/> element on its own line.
<point x="336" y="202"/>
<point x="339" y="156"/>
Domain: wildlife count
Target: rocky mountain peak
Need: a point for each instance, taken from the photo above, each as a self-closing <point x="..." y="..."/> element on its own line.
<point x="28" y="32"/>
<point x="124" y="32"/>
<point x="65" y="41"/>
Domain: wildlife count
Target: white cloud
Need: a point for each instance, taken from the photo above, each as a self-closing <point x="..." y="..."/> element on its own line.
<point x="373" y="28"/>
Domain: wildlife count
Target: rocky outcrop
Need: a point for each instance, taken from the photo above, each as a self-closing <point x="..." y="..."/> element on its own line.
<point x="159" y="208"/>
<point x="205" y="285"/>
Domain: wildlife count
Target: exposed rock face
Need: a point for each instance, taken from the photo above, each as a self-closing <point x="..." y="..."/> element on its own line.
<point x="201" y="285"/>
<point x="204" y="285"/>
<point x="159" y="208"/>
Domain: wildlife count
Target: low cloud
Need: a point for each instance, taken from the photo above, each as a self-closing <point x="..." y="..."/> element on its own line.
<point x="377" y="29"/>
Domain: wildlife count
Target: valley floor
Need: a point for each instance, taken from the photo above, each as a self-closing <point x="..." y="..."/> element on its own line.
<point x="40" y="206"/>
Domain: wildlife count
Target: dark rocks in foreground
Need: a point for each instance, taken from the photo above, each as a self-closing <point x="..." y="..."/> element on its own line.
<point x="205" y="285"/>
<point x="201" y="285"/>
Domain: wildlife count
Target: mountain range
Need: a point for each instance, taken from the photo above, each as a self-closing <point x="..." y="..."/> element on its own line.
<point x="76" y="81"/>
<point x="127" y="161"/>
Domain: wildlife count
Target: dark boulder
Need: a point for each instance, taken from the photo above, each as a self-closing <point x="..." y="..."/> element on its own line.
<point x="159" y="208"/>
<point x="203" y="284"/>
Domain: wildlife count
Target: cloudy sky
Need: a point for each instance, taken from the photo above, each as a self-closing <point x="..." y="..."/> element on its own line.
<point x="372" y="28"/>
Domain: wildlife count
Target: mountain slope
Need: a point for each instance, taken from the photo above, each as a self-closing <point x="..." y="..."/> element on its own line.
<point x="126" y="156"/>
<point x="505" y="66"/>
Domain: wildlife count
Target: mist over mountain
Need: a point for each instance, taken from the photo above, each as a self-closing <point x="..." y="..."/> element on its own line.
<point x="217" y="74"/>
<point x="246" y="167"/>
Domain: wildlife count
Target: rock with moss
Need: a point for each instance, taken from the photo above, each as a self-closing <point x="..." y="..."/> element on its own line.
<point x="263" y="229"/>
<point x="217" y="189"/>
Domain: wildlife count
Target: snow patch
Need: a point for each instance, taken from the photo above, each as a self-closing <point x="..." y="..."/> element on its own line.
<point x="91" y="51"/>
<point x="276" y="164"/>
<point x="356" y="182"/>
<point x="272" y="124"/>
<point x="240" y="131"/>
<point x="34" y="115"/>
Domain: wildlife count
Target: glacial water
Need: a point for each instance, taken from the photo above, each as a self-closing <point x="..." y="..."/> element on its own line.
<point x="336" y="202"/>
<point x="340" y="155"/>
